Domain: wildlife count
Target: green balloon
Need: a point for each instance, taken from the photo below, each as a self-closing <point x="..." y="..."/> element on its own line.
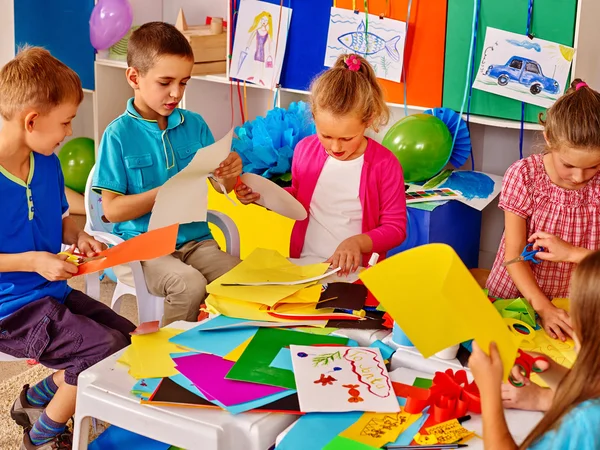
<point x="423" y="145"/>
<point x="77" y="157"/>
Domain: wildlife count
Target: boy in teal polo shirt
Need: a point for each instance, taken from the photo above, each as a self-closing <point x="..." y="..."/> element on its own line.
<point x="149" y="143"/>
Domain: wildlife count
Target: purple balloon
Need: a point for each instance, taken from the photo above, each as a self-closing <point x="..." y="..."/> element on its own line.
<point x="109" y="22"/>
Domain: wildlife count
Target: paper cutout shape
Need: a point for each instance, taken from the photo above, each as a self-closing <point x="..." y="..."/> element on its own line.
<point x="449" y="432"/>
<point x="529" y="70"/>
<point x="274" y="198"/>
<point x="382" y="44"/>
<point x="260" y="42"/>
<point x="147" y="328"/>
<point x="259" y="266"/>
<point x="148" y="356"/>
<point x="518" y="309"/>
<point x="184" y="197"/>
<point x="456" y="308"/>
<point x="361" y="379"/>
<point x="218" y="342"/>
<point x="146" y="246"/>
<point x="208" y="372"/>
<point x="253" y="365"/>
<point x="283" y="360"/>
<point x="376" y="429"/>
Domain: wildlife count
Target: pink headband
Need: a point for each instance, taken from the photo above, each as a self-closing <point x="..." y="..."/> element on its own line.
<point x="580" y="85"/>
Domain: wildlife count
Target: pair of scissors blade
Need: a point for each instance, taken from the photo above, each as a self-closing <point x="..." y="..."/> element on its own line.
<point x="512" y="261"/>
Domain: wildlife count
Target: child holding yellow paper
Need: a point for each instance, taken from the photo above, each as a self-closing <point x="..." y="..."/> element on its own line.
<point x="557" y="192"/>
<point x="351" y="186"/>
<point x="573" y="419"/>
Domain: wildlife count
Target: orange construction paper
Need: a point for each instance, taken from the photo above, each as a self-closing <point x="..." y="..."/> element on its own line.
<point x="424" y="50"/>
<point x="150" y="245"/>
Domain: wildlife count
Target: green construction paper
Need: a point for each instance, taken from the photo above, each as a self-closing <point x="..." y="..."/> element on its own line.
<point x="254" y="364"/>
<point x="553" y="20"/>
<point x="318" y="331"/>
<point x="343" y="443"/>
<point x="424" y="383"/>
<point x="518" y="309"/>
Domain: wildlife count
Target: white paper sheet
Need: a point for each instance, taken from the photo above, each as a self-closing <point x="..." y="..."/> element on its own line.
<point x="341" y="379"/>
<point x="184" y="197"/>
<point x="382" y="44"/>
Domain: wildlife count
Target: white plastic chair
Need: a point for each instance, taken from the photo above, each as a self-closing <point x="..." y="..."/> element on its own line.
<point x="150" y="307"/>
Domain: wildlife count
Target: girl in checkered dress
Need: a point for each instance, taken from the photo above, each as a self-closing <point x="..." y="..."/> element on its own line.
<point x="555" y="192"/>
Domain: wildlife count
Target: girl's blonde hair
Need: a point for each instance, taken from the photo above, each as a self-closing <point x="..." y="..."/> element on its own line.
<point x="574" y="120"/>
<point x="257" y="20"/>
<point x="341" y="91"/>
<point x="583" y="380"/>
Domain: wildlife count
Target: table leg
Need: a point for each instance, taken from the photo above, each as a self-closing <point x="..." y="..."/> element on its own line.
<point x="81" y="434"/>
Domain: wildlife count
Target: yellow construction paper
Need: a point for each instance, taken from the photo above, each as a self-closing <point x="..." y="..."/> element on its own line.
<point x="436" y="301"/>
<point x="449" y="432"/>
<point x="264" y="265"/>
<point x="562" y="303"/>
<point x="378" y="429"/>
<point x="148" y="355"/>
<point x="235" y="354"/>
<point x="425" y="439"/>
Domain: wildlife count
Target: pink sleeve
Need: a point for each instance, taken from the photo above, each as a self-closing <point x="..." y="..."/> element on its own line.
<point x="516" y="194"/>
<point x="392" y="213"/>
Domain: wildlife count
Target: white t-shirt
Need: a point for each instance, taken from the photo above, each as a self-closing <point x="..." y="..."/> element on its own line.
<point x="335" y="209"/>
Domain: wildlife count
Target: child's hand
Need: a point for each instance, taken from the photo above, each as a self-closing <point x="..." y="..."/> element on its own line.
<point x="245" y="194"/>
<point x="54" y="267"/>
<point x="347" y="256"/>
<point x="529" y="397"/>
<point x="556" y="322"/>
<point x="556" y="250"/>
<point x="89" y="246"/>
<point x="230" y="168"/>
<point x="487" y="370"/>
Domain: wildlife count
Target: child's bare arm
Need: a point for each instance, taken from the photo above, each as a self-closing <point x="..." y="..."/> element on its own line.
<point x="121" y="208"/>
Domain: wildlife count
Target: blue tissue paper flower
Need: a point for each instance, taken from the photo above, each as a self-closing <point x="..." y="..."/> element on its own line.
<point x="266" y="144"/>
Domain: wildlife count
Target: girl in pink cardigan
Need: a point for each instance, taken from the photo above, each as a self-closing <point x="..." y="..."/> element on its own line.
<point x="351" y="186"/>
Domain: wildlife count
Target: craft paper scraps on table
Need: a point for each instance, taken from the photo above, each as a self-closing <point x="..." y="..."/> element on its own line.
<point x="184" y="197"/>
<point x="216" y="342"/>
<point x="341" y="379"/>
<point x="344" y="443"/>
<point x="518" y="309"/>
<point x="449" y="432"/>
<point x="260" y="266"/>
<point x="260" y="42"/>
<point x="222" y="322"/>
<point x="314" y="431"/>
<point x="208" y="372"/>
<point x="533" y="70"/>
<point x="456" y="308"/>
<point x="274" y="197"/>
<point x="378" y="429"/>
<point x="254" y="364"/>
<point x="146" y="246"/>
<point x="148" y="356"/>
<point x="382" y="44"/>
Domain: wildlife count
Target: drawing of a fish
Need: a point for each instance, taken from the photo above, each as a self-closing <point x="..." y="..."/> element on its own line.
<point x="356" y="42"/>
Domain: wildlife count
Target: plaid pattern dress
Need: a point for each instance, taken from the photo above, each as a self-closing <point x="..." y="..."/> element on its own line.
<point x="573" y="216"/>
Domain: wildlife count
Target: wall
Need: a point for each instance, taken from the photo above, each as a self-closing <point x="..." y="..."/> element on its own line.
<point x="7" y="33"/>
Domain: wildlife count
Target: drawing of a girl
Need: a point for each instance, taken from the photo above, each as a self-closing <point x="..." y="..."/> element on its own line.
<point x="261" y="31"/>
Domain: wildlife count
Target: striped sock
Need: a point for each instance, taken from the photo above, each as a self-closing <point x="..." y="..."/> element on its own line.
<point x="45" y="429"/>
<point x="42" y="393"/>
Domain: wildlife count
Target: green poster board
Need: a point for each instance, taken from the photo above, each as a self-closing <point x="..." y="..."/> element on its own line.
<point x="553" y="20"/>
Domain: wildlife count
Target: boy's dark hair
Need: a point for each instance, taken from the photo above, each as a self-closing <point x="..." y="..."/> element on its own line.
<point x="153" y="40"/>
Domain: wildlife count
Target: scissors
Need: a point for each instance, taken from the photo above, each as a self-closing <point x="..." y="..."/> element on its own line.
<point x="526" y="364"/>
<point x="527" y="255"/>
<point x="79" y="259"/>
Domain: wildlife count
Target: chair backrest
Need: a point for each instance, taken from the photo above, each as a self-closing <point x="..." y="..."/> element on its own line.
<point x="95" y="220"/>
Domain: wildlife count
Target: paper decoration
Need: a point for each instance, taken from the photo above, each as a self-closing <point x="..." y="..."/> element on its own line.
<point x="529" y="70"/>
<point x="454" y="305"/>
<point x="184" y="197"/>
<point x="376" y="429"/>
<point x="518" y="309"/>
<point x="449" y="432"/>
<point x="254" y="364"/>
<point x="144" y="247"/>
<point x="341" y="379"/>
<point x="260" y="42"/>
<point x="208" y="372"/>
<point x="382" y="44"/>
<point x="148" y="354"/>
<point x="216" y="342"/>
<point x="274" y="197"/>
<point x="264" y="265"/>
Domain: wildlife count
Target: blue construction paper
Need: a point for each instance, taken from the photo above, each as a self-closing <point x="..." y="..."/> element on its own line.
<point x="220" y="321"/>
<point x="217" y="342"/>
<point x="386" y="350"/>
<point x="283" y="360"/>
<point x="146" y="385"/>
<point x="315" y="430"/>
<point x="115" y="438"/>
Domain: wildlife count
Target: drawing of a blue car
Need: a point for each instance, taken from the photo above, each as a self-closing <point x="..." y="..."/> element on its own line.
<point x="526" y="72"/>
